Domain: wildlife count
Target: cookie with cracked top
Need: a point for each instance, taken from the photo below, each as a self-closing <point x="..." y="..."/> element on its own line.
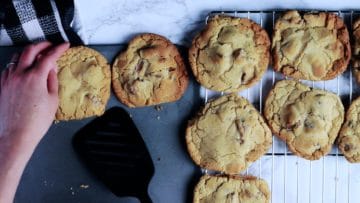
<point x="356" y="50"/>
<point x="230" y="54"/>
<point x="349" y="136"/>
<point x="227" y="135"/>
<point x="312" y="46"/>
<point x="84" y="83"/>
<point x="150" y="71"/>
<point x="307" y="119"/>
<point x="245" y="189"/>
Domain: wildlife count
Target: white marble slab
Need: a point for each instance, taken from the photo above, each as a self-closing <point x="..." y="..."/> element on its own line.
<point x="114" y="22"/>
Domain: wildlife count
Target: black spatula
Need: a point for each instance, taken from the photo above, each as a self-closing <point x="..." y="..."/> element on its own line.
<point x="113" y="149"/>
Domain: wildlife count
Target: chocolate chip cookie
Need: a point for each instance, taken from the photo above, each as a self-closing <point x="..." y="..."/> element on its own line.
<point x="312" y="46"/>
<point x="84" y="83"/>
<point x="230" y="54"/>
<point x="245" y="189"/>
<point x="356" y="50"/>
<point x="227" y="135"/>
<point x="150" y="71"/>
<point x="307" y="119"/>
<point x="349" y="137"/>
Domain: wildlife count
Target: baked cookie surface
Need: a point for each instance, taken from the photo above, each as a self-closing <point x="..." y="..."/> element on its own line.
<point x="349" y="137"/>
<point x="150" y="71"/>
<point x="227" y="135"/>
<point x="84" y="83"/>
<point x="230" y="54"/>
<point x="356" y="50"/>
<point x="248" y="189"/>
<point x="313" y="46"/>
<point x="307" y="119"/>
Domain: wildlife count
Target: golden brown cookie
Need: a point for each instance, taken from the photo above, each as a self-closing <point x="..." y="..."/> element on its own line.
<point x="84" y="83"/>
<point x="307" y="119"/>
<point x="356" y="50"/>
<point x="312" y="46"/>
<point x="227" y="135"/>
<point x="246" y="189"/>
<point x="349" y="136"/>
<point x="150" y="71"/>
<point x="230" y="54"/>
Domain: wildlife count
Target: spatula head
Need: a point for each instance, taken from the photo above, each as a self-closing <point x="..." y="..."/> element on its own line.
<point x="113" y="149"/>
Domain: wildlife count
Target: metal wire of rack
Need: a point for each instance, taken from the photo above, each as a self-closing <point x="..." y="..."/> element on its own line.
<point x="291" y="178"/>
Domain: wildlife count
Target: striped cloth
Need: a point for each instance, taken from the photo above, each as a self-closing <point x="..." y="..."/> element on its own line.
<point x="27" y="21"/>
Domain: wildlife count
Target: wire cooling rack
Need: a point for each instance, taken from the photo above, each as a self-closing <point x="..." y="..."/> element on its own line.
<point x="291" y="178"/>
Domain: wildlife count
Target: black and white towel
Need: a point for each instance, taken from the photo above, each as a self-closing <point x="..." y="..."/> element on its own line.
<point x="27" y="21"/>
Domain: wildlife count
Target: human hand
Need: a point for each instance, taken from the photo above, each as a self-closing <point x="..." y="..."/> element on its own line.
<point x="29" y="92"/>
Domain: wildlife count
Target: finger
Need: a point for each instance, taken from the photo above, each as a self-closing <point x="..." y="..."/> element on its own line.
<point x="38" y="57"/>
<point x="29" y="54"/>
<point x="4" y="76"/>
<point x="48" y="60"/>
<point x="13" y="61"/>
<point x="52" y="82"/>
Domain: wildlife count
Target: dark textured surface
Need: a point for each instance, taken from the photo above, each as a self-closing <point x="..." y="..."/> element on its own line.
<point x="55" y="173"/>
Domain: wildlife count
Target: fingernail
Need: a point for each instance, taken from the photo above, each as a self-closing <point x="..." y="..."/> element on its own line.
<point x="50" y="52"/>
<point x="38" y="57"/>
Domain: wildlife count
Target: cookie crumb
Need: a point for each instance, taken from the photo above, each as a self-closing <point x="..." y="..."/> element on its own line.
<point x="72" y="192"/>
<point x="84" y="186"/>
<point x="158" y="107"/>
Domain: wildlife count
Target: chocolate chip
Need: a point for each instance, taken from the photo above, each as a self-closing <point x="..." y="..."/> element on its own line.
<point x="236" y="53"/>
<point x="243" y="76"/>
<point x="311" y="111"/>
<point x="347" y="147"/>
<point x="308" y="124"/>
<point x="248" y="194"/>
<point x="139" y="66"/>
<point x="132" y="90"/>
<point x="162" y="59"/>
<point x="219" y="55"/>
<point x="289" y="126"/>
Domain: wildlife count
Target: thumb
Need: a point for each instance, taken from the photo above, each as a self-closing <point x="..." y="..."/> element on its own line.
<point x="52" y="82"/>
